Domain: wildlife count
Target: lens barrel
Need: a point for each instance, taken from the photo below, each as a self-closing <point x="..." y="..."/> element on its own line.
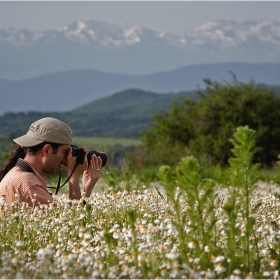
<point x="99" y="154"/>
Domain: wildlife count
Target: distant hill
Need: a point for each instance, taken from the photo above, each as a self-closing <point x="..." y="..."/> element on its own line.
<point x="123" y="114"/>
<point x="133" y="100"/>
<point x="65" y="91"/>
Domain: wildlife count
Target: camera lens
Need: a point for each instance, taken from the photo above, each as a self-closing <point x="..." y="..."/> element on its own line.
<point x="100" y="154"/>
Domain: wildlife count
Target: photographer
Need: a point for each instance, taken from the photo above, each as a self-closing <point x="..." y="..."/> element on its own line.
<point x="42" y="150"/>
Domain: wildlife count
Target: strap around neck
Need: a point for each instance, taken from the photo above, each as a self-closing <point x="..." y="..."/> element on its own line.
<point x="24" y="166"/>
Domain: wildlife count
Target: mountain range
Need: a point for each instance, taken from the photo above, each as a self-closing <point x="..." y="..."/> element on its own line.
<point x="65" y="91"/>
<point x="133" y="50"/>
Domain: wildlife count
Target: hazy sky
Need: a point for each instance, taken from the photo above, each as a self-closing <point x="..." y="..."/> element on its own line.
<point x="175" y="16"/>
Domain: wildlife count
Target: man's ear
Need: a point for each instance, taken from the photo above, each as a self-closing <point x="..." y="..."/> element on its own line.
<point x="47" y="149"/>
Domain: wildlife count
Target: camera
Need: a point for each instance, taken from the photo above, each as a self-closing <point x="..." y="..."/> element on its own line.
<point x="80" y="154"/>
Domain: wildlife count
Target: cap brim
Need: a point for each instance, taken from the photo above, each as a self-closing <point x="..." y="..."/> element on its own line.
<point x="27" y="141"/>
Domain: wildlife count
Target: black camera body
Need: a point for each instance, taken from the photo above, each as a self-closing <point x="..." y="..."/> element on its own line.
<point x="80" y="155"/>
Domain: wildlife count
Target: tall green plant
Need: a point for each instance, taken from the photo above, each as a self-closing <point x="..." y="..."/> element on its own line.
<point x="199" y="195"/>
<point x="243" y="182"/>
<point x="192" y="197"/>
<point x="186" y="188"/>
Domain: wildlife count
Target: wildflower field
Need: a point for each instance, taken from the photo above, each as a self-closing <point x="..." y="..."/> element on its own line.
<point x="181" y="226"/>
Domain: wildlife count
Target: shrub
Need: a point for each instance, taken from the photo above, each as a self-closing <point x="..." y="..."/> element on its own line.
<point x="202" y="127"/>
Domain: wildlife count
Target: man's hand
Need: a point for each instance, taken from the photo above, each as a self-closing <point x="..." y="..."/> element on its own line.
<point x="91" y="175"/>
<point x="74" y="187"/>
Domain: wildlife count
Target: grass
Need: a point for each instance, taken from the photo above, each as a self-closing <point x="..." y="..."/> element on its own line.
<point x="89" y="142"/>
<point x="104" y="142"/>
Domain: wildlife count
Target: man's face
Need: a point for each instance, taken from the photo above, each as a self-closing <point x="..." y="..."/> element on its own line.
<point x="55" y="160"/>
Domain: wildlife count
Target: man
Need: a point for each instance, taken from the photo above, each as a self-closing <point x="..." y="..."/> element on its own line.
<point x="42" y="150"/>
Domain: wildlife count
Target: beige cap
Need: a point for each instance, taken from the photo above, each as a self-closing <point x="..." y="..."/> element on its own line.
<point x="46" y="130"/>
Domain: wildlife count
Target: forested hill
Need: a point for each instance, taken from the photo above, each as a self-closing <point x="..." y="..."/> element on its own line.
<point x="123" y="114"/>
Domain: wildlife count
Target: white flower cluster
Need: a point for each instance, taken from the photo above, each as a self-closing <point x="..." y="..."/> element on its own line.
<point x="130" y="234"/>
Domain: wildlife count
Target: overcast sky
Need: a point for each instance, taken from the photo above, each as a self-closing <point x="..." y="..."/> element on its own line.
<point x="174" y="16"/>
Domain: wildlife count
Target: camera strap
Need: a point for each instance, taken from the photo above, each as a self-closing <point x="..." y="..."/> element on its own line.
<point x="24" y="166"/>
<point x="59" y="180"/>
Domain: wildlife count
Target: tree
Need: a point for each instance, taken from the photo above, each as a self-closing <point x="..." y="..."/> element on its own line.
<point x="203" y="126"/>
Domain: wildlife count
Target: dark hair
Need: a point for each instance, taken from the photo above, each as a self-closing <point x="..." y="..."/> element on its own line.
<point x="35" y="149"/>
<point x="20" y="152"/>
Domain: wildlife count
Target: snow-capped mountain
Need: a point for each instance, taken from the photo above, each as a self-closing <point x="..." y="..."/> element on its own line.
<point x="133" y="49"/>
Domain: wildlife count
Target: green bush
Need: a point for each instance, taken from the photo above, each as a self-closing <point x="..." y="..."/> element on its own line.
<point x="203" y="127"/>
